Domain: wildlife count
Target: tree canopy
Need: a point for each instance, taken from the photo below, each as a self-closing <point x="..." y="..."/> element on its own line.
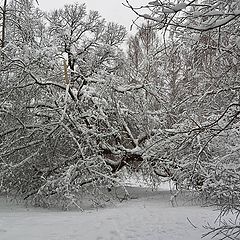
<point x="77" y="111"/>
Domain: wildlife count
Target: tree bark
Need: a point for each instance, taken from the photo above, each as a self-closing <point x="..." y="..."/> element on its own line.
<point x="4" y="11"/>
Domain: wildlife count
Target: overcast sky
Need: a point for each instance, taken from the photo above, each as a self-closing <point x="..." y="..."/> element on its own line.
<point x="111" y="10"/>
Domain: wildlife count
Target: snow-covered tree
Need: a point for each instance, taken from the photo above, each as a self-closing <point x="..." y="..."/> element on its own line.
<point x="53" y="106"/>
<point x="203" y="143"/>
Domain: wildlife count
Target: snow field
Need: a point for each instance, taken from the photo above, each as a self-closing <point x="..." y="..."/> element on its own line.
<point x="149" y="217"/>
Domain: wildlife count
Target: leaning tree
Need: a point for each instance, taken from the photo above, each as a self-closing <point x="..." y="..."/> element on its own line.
<point x="55" y="116"/>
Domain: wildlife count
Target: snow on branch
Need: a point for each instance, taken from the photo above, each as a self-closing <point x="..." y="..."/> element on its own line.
<point x="126" y="88"/>
<point x="24" y="161"/>
<point x="189" y="15"/>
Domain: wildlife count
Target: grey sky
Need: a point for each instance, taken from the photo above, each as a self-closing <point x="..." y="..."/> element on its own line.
<point x="111" y="10"/>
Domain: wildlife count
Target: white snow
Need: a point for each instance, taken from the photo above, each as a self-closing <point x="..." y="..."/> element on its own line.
<point x="179" y="7"/>
<point x="126" y="88"/>
<point x="214" y="13"/>
<point x="167" y="10"/>
<point x="238" y="42"/>
<point x="148" y="217"/>
<point x="154" y="3"/>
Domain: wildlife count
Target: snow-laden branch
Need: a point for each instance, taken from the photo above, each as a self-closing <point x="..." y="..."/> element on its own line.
<point x="23" y="162"/>
<point x="127" y="88"/>
<point x="188" y="15"/>
<point x="50" y="83"/>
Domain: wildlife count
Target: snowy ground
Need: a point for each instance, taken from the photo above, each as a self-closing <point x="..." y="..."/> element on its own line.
<point x="149" y="217"/>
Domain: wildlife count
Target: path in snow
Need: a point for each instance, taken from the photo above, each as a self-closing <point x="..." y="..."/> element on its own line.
<point x="146" y="218"/>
